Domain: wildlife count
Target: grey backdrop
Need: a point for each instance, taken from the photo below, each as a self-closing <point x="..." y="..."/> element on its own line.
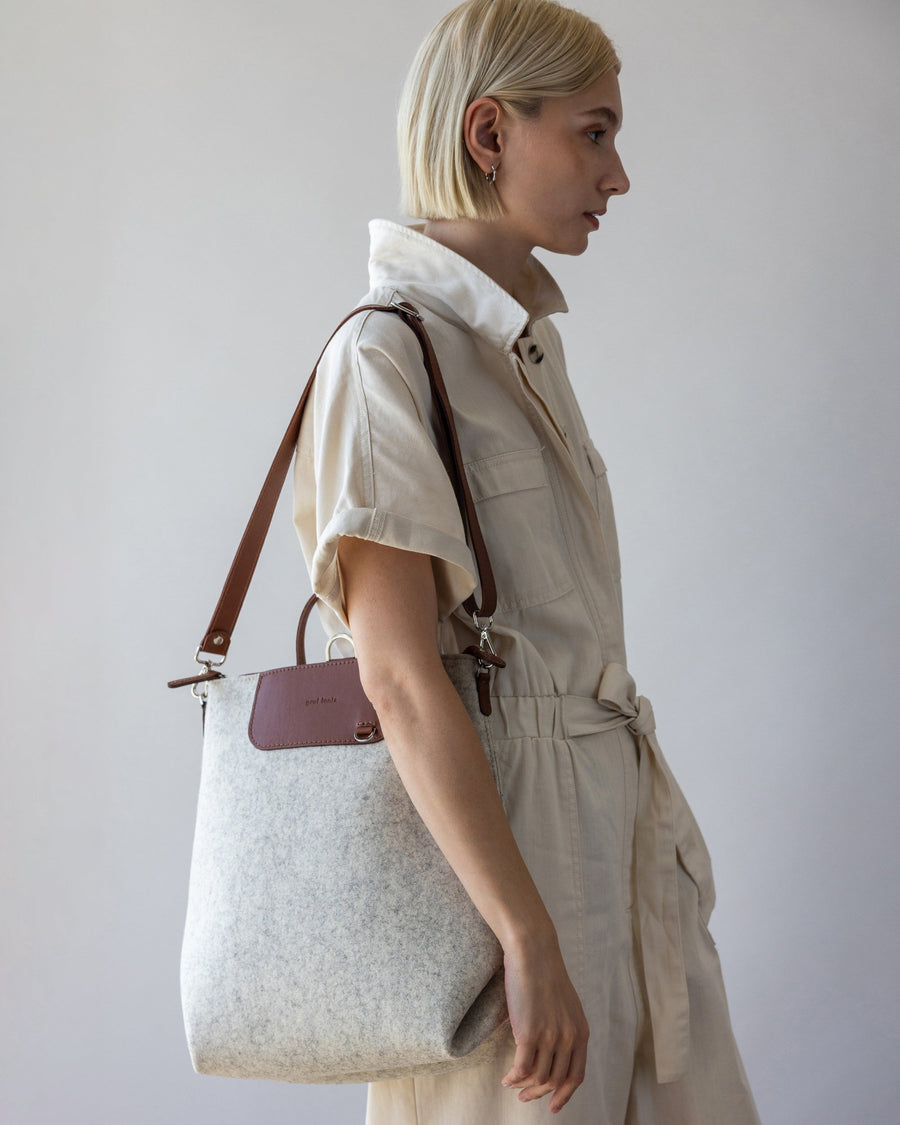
<point x="186" y="186"/>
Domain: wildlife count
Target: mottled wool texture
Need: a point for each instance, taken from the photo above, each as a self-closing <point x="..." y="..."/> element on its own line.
<point x="327" y="938"/>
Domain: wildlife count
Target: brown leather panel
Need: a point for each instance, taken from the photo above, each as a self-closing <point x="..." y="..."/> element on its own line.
<point x="311" y="705"/>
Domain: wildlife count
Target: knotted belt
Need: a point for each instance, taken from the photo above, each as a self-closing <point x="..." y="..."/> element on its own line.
<point x="656" y="891"/>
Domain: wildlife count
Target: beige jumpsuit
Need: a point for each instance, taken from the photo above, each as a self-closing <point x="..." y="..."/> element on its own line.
<point x="603" y="827"/>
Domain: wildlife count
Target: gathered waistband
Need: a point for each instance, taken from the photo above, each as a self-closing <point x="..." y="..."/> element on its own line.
<point x="575" y="716"/>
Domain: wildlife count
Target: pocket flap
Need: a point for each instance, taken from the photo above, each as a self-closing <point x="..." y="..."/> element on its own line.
<point x="506" y="472"/>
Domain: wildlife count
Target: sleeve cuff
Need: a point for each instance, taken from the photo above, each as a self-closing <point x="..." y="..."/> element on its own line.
<point x="454" y="570"/>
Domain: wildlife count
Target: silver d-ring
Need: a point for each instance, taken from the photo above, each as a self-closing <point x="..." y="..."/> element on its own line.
<point x="208" y="664"/>
<point x="338" y="637"/>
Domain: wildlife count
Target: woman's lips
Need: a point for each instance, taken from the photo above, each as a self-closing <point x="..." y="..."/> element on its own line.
<point x="592" y="219"/>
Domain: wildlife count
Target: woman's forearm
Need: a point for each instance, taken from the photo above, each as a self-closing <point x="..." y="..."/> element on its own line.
<point x="442" y="764"/>
<point x="392" y="609"/>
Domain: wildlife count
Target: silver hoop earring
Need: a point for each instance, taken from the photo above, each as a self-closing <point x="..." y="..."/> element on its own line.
<point x="491" y="176"/>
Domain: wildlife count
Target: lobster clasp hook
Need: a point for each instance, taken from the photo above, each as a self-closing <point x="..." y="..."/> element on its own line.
<point x="484" y="626"/>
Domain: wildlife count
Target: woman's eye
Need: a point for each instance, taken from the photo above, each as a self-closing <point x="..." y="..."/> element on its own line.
<point x="592" y="133"/>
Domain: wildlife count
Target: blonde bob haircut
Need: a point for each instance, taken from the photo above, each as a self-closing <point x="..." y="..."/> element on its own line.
<point x="516" y="51"/>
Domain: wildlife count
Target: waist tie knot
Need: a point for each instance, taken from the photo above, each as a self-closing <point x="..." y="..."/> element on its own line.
<point x="656" y="890"/>
<point x="617" y="693"/>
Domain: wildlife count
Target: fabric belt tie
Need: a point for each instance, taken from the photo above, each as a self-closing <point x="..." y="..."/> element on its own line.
<point x="657" y="880"/>
<point x="656" y="890"/>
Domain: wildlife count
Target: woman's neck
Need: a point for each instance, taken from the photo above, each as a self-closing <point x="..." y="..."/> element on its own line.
<point x="493" y="249"/>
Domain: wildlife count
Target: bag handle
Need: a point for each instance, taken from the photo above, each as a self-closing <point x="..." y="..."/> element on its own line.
<point x="217" y="638"/>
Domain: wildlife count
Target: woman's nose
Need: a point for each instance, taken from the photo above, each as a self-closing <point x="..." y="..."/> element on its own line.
<point x="616" y="179"/>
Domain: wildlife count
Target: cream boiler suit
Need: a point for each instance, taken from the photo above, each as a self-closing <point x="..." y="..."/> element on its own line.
<point x="601" y="823"/>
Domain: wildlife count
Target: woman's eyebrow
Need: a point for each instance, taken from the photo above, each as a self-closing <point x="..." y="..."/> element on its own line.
<point x="601" y="111"/>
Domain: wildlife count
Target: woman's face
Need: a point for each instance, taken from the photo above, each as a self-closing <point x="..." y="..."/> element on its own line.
<point x="559" y="169"/>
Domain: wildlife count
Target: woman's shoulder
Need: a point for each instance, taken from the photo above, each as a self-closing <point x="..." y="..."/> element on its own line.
<point x="373" y="340"/>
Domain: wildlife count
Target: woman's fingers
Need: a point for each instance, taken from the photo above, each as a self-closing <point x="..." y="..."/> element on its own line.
<point x="540" y="1083"/>
<point x="573" y="1078"/>
<point x="519" y="1074"/>
<point x="559" y="1071"/>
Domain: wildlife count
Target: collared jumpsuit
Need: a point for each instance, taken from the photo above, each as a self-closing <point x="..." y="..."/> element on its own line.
<point x="601" y="822"/>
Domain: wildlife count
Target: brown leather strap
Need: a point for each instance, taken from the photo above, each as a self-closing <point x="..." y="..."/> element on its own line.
<point x="218" y="635"/>
<point x="301" y="629"/>
<point x="202" y="678"/>
<point x="460" y="483"/>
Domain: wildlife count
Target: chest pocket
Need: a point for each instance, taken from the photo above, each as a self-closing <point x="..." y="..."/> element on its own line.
<point x="521" y="527"/>
<point x="603" y="499"/>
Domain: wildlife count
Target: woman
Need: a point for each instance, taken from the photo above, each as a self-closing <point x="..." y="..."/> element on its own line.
<point x="595" y="878"/>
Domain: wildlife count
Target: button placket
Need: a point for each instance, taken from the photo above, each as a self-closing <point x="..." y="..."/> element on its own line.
<point x="533" y="394"/>
<point x="543" y="418"/>
<point x="602" y="611"/>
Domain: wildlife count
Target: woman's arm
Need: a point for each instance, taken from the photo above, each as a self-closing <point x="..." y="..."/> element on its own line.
<point x="391" y="606"/>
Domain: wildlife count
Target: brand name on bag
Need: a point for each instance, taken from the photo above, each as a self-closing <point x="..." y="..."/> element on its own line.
<point x="322" y="699"/>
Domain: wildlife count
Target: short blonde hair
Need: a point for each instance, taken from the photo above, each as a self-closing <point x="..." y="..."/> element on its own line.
<point x="517" y="51"/>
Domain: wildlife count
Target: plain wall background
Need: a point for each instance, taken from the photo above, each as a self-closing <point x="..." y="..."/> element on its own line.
<point x="186" y="187"/>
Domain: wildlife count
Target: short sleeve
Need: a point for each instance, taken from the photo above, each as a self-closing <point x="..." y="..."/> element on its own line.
<point x="368" y="466"/>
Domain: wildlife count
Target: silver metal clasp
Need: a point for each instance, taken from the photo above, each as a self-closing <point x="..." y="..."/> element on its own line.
<point x="199" y="691"/>
<point x="484" y="627"/>
<point x="207" y="664"/>
<point x="406" y="307"/>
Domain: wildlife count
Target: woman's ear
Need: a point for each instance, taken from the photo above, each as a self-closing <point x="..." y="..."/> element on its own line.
<point x="481" y="132"/>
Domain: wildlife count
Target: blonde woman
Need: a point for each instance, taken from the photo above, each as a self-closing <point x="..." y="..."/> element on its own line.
<point x="595" y="877"/>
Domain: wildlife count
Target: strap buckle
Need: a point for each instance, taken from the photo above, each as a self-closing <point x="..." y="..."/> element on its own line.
<point x="405" y="306"/>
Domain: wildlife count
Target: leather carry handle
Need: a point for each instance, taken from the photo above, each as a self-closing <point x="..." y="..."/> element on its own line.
<point x="217" y="638"/>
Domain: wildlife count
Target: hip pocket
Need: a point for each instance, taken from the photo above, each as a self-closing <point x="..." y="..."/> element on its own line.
<point x="693" y="854"/>
<point x="694" y="858"/>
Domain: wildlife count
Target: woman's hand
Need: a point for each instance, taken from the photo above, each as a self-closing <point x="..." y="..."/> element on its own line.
<point x="548" y="1024"/>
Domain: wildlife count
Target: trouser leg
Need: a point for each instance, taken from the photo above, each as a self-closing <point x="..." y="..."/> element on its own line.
<point x="715" y="1090"/>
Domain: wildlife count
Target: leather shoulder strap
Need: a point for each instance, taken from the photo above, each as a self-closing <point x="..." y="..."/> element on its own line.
<point x="218" y="635"/>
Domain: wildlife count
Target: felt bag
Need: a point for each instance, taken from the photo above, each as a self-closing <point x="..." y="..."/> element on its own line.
<point x="327" y="938"/>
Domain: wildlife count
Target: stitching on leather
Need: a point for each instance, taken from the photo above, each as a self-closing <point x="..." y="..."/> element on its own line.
<point x="292" y="668"/>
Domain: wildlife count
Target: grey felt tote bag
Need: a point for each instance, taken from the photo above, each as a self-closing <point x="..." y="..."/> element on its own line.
<point x="327" y="938"/>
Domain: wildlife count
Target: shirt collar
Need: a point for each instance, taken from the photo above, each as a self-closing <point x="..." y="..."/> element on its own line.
<point x="420" y="267"/>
